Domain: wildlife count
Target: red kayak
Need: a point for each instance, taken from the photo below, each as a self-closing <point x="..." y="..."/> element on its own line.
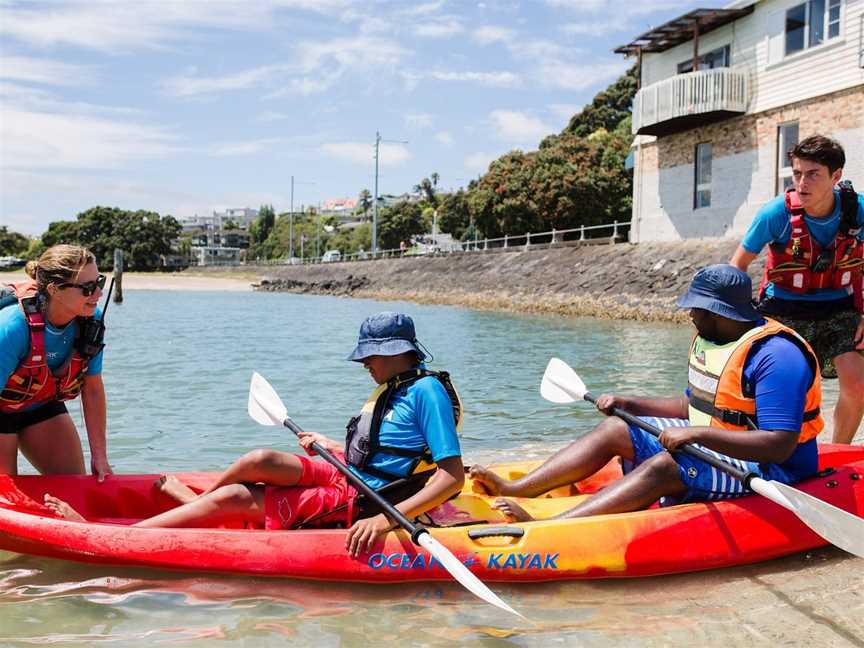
<point x="676" y="539"/>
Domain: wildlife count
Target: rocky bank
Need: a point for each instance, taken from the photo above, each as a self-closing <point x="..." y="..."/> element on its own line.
<point x="618" y="281"/>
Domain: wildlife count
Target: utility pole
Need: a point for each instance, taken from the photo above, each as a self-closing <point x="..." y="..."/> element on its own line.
<point x="291" y="219"/>
<point x="291" y="226"/>
<point x="318" y="233"/>
<point x="378" y="141"/>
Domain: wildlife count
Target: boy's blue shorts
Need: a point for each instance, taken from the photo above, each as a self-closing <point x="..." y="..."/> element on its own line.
<point x="703" y="481"/>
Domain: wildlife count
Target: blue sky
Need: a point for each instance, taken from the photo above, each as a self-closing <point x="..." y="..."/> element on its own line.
<point x="187" y="107"/>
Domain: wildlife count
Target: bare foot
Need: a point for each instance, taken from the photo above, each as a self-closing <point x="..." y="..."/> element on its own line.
<point x="489" y="482"/>
<point x="62" y="509"/>
<point x="175" y="489"/>
<point x="512" y="510"/>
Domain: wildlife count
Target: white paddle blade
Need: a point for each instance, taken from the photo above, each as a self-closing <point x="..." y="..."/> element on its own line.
<point x="462" y="574"/>
<point x="265" y="406"/>
<point x="561" y="384"/>
<point x="837" y="526"/>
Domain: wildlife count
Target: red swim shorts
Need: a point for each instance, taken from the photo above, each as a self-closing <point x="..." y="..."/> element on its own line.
<point x="321" y="488"/>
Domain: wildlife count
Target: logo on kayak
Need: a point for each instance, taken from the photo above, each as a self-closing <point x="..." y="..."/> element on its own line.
<point x="399" y="560"/>
<point x="691" y="472"/>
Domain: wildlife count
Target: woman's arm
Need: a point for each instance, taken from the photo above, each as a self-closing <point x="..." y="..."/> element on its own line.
<point x="446" y="482"/>
<point x="95" y="418"/>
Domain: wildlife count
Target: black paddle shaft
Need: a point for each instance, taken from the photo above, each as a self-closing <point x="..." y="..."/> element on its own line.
<point x="741" y="475"/>
<point x="391" y="511"/>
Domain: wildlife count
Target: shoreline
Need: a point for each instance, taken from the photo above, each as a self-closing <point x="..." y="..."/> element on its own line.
<point x="175" y="281"/>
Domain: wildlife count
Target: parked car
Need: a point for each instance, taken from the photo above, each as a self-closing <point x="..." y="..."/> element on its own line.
<point x="12" y="262"/>
<point x="331" y="255"/>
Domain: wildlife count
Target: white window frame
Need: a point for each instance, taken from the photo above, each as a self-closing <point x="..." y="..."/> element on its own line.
<point x="784" y="164"/>
<point x="702" y="190"/>
<point x="808" y="20"/>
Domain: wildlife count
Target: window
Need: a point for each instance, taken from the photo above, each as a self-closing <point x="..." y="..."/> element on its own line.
<point x="787" y="138"/>
<point x="811" y="23"/>
<point x="713" y="59"/>
<point x="702" y="188"/>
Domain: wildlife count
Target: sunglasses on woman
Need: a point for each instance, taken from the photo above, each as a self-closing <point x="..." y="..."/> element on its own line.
<point x="88" y="287"/>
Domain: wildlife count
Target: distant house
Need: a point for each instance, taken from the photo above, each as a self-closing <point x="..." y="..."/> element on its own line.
<point x="724" y="94"/>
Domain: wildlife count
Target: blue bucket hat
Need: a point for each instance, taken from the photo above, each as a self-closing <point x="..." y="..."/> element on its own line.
<point x="723" y="290"/>
<point x="386" y="334"/>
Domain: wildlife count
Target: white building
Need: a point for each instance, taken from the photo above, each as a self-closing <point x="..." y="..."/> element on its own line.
<point x="241" y="216"/>
<point x="724" y="94"/>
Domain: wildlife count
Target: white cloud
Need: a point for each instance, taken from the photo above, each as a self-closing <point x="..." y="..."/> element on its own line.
<point x="418" y="120"/>
<point x="316" y="67"/>
<point x="186" y="86"/>
<point x="565" y="111"/>
<point x="489" y="34"/>
<point x="273" y="115"/>
<point x="35" y="70"/>
<point x="479" y="162"/>
<point x="596" y="28"/>
<point x="439" y="29"/>
<point x="46" y="140"/>
<point x="513" y="126"/>
<point x="575" y="76"/>
<point x="445" y="138"/>
<point x="496" y="79"/>
<point x="364" y="153"/>
<point x="249" y="147"/>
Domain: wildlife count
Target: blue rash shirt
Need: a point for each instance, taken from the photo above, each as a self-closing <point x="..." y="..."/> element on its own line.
<point x="419" y="416"/>
<point x="59" y="342"/>
<point x="772" y="225"/>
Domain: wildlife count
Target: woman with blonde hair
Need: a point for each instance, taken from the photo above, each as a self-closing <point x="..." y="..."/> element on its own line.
<point x="51" y="351"/>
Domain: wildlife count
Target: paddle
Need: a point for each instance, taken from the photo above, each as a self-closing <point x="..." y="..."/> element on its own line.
<point x="266" y="408"/>
<point x="563" y="385"/>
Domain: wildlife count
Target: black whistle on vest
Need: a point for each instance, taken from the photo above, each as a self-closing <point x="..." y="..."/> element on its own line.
<point x="92" y="331"/>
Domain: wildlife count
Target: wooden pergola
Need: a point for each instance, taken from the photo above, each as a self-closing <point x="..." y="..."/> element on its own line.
<point x="680" y="30"/>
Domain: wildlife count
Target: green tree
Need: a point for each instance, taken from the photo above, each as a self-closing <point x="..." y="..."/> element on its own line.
<point x="143" y="235"/>
<point x="608" y="108"/>
<point x="12" y="243"/>
<point x="454" y="215"/>
<point x="364" y="204"/>
<point x="399" y="223"/>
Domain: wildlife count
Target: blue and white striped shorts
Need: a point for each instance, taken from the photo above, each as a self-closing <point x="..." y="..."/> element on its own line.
<point x="703" y="481"/>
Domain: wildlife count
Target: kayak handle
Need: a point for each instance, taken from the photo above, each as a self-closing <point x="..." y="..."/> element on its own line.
<point x="495" y="532"/>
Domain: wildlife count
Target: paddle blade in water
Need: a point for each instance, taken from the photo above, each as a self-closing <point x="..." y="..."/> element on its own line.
<point x="265" y="406"/>
<point x="837" y="526"/>
<point x="461" y="573"/>
<point x="560" y="383"/>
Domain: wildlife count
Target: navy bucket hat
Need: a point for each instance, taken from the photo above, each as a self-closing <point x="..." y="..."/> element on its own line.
<point x="386" y="334"/>
<point x="723" y="290"/>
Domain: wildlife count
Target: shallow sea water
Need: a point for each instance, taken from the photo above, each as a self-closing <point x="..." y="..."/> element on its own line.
<point x="177" y="373"/>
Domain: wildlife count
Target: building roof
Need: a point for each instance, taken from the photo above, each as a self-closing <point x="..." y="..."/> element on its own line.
<point x="680" y="30"/>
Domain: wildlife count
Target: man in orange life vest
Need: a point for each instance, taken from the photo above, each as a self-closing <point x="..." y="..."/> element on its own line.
<point x="753" y="401"/>
<point x="814" y="273"/>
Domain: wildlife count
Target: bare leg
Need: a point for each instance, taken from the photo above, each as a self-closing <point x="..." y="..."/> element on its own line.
<point x="53" y="446"/>
<point x="231" y="503"/>
<point x="850" y="405"/>
<point x="269" y="466"/>
<point x="8" y="454"/>
<point x="656" y="477"/>
<point x="580" y="459"/>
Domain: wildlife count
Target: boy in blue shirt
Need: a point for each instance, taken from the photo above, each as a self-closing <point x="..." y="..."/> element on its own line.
<point x="799" y="290"/>
<point x="405" y="436"/>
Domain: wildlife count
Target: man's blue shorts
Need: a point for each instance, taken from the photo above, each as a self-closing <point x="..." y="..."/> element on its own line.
<point x="703" y="481"/>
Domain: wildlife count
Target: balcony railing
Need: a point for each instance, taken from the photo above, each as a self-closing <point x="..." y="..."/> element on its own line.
<point x="689" y="100"/>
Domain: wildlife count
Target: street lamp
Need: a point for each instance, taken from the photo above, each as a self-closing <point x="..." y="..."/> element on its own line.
<point x="378" y="141"/>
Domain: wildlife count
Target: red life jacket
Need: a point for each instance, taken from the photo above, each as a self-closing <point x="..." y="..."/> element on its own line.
<point x="32" y="381"/>
<point x="803" y="266"/>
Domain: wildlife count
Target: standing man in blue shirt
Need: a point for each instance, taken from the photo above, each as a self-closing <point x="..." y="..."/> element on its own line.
<point x="814" y="274"/>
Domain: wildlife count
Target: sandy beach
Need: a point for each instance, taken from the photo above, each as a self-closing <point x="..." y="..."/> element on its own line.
<point x="228" y="282"/>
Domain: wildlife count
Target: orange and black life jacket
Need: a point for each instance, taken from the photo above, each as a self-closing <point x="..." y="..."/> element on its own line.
<point x="803" y="266"/>
<point x="33" y="382"/>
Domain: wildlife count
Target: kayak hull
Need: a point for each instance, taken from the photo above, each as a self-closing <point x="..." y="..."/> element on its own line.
<point x="676" y="539"/>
